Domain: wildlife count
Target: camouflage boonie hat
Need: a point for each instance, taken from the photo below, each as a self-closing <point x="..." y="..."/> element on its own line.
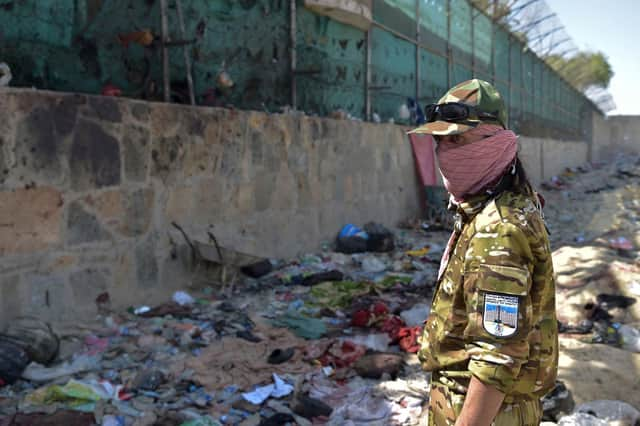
<point x="476" y="93"/>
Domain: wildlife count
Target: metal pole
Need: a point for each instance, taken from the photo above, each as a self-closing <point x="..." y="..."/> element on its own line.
<point x="187" y="61"/>
<point x="473" y="44"/>
<point x="449" y="56"/>
<point x="417" y="50"/>
<point x="509" y="79"/>
<point x="493" y="47"/>
<point x="294" y="94"/>
<point x="367" y="82"/>
<point x="165" y="53"/>
<point x="522" y="80"/>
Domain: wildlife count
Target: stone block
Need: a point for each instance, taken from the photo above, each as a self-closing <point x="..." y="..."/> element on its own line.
<point x="95" y="158"/>
<point x="128" y="213"/>
<point x="138" y="212"/>
<point x="38" y="149"/>
<point x="197" y="160"/>
<point x="46" y="296"/>
<point x="65" y="112"/>
<point x="163" y="120"/>
<point x="135" y="146"/>
<point x="265" y="189"/>
<point x="146" y="264"/>
<point x="10" y="298"/>
<point x="31" y="220"/>
<point x="167" y="157"/>
<point x="84" y="227"/>
<point x="86" y="285"/>
<point x="104" y="108"/>
<point x="180" y="204"/>
<point x="139" y="111"/>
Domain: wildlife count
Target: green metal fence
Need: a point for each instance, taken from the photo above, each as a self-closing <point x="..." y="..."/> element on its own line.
<point x="419" y="48"/>
<point x="415" y="48"/>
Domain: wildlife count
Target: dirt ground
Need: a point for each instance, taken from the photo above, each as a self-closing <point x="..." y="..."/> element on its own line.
<point x="583" y="224"/>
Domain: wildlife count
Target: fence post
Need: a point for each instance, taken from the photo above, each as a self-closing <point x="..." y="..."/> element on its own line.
<point x="472" y="16"/>
<point x="449" y="56"/>
<point x="417" y="97"/>
<point x="292" y="36"/>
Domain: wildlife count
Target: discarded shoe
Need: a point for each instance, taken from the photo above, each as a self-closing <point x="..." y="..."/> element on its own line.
<point x="278" y="419"/>
<point x="280" y="355"/>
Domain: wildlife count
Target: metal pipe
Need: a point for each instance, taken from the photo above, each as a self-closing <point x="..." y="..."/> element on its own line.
<point x="165" y="53"/>
<point x="417" y="50"/>
<point x="187" y="61"/>
<point x="367" y="81"/>
<point x="292" y="40"/>
<point x="449" y="58"/>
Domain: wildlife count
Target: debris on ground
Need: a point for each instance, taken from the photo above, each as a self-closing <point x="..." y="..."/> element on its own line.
<point x="330" y="337"/>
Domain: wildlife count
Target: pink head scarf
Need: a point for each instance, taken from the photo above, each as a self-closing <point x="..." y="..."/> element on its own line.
<point x="469" y="168"/>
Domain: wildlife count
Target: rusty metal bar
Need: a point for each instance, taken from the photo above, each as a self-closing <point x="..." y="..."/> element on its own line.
<point x="166" y="87"/>
<point x="187" y="61"/>
<point x="294" y="59"/>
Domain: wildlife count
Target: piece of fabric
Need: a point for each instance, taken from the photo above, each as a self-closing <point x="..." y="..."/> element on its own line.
<point x="302" y="326"/>
<point x="241" y="363"/>
<point x="423" y="153"/>
<point x="470" y="168"/>
<point x="503" y="250"/>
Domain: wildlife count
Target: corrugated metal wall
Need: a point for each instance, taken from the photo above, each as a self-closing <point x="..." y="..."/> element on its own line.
<point x="417" y="49"/>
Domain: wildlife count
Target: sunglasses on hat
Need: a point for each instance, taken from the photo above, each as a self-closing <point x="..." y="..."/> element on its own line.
<point x="456" y="112"/>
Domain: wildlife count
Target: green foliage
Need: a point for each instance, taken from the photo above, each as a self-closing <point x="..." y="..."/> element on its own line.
<point x="584" y="70"/>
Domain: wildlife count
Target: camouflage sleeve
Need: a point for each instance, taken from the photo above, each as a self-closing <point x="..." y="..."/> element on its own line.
<point x="497" y="280"/>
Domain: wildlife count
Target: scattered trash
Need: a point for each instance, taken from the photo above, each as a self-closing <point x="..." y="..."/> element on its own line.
<point x="258" y="269"/>
<point x="111" y="90"/>
<point x="142" y="37"/>
<point x="5" y="74"/>
<point x="13" y="361"/>
<point x="375" y="365"/>
<point x="141" y="310"/>
<point x="34" y="336"/>
<point x="306" y="327"/>
<point x="416" y="315"/>
<point x="277" y="390"/>
<point x="557" y="403"/>
<point x="629" y="337"/>
<point x="183" y="299"/>
<point x="621" y="243"/>
<point x="611" y="411"/>
<point x="373" y="264"/>
<point x="581" y="419"/>
<point x="40" y="374"/>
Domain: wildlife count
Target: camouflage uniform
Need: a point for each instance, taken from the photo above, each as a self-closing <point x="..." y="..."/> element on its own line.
<point x="493" y="313"/>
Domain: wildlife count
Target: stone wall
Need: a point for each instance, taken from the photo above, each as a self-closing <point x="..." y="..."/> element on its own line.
<point x="89" y="187"/>
<point x="544" y="158"/>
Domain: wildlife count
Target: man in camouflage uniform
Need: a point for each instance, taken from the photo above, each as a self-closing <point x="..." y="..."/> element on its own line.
<point x="491" y="340"/>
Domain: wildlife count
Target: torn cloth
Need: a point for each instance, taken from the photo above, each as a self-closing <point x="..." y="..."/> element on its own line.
<point x="238" y="362"/>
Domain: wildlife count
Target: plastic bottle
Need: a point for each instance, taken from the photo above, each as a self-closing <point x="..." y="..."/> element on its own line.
<point x="629" y="338"/>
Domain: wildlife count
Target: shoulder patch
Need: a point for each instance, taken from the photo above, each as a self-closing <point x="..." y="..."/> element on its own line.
<point x="500" y="314"/>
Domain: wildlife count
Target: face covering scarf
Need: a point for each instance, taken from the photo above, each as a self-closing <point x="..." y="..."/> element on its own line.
<point x="469" y="168"/>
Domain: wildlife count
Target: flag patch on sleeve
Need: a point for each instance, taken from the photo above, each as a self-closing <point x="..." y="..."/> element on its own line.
<point x="500" y="314"/>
